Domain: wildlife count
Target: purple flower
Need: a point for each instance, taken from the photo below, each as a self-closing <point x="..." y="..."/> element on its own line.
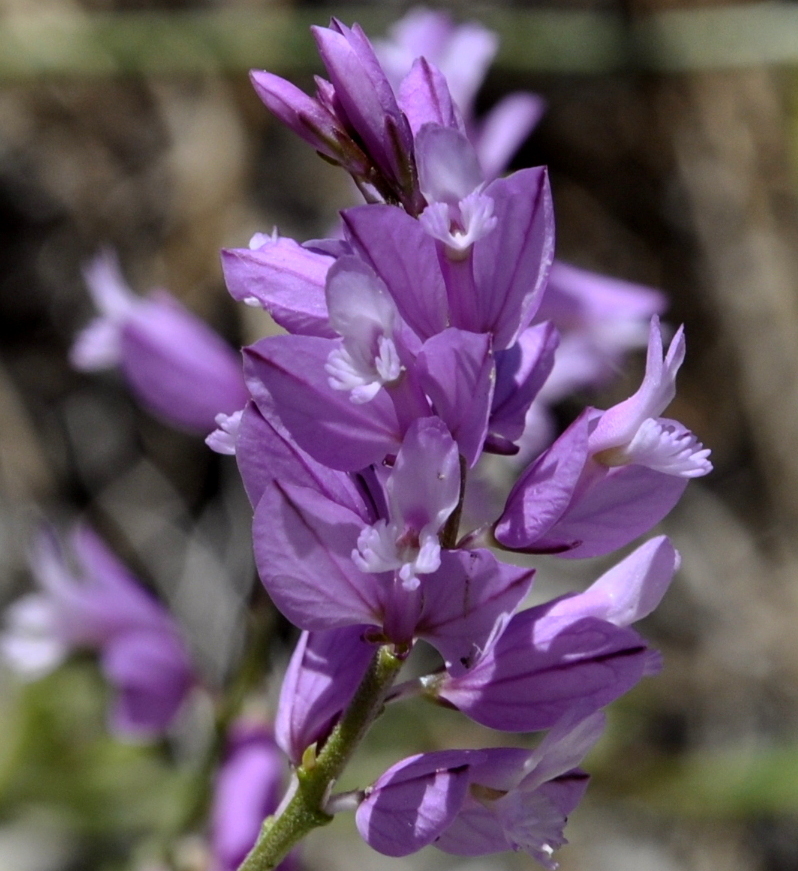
<point x="539" y="668"/>
<point x="519" y="800"/>
<point x="175" y="364"/>
<point x="410" y="805"/>
<point x="612" y="475"/>
<point x="322" y="676"/>
<point x="327" y="564"/>
<point x="599" y="320"/>
<point x="462" y="54"/>
<point x="100" y="606"/>
<point x="247" y="788"/>
<point x="473" y="802"/>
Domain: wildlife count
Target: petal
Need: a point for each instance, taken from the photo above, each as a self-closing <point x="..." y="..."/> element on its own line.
<point x="265" y="452"/>
<point x="543" y="493"/>
<point x="246" y="790"/>
<point x="627" y="592"/>
<point x="512" y="263"/>
<point x="456" y="371"/>
<point x="425" y="99"/>
<point x="332" y="429"/>
<point x="424" y="486"/>
<point x="403" y="255"/>
<point x="152" y="676"/>
<point x="178" y="367"/>
<point x="414" y="801"/>
<point x="285" y="279"/>
<point x="521" y="372"/>
<point x="467" y="601"/>
<point x="531" y="677"/>
<point x="303" y="545"/>
<point x="616" y="507"/>
<point x="325" y="670"/>
<point x="448" y="169"/>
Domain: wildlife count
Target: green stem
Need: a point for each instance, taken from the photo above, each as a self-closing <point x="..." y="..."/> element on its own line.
<point x="317" y="775"/>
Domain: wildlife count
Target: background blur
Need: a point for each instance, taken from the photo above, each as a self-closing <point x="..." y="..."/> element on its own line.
<point x="671" y="137"/>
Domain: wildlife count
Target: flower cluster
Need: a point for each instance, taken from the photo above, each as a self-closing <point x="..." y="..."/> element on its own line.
<point x="436" y="329"/>
<point x="89" y="600"/>
<point x="414" y="344"/>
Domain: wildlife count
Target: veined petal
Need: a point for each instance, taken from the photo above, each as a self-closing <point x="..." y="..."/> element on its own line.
<point x="303" y="545"/>
<point x="512" y="263"/>
<point x="285" y="279"/>
<point x="414" y="801"/>
<point x="334" y="431"/>
<point x="325" y="670"/>
<point x="627" y="592"/>
<point x="537" y="671"/>
<point x="403" y="256"/>
<point x="425" y="99"/>
<point x="467" y="602"/>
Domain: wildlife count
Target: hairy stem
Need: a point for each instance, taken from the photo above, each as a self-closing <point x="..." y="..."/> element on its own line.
<point x="316" y="776"/>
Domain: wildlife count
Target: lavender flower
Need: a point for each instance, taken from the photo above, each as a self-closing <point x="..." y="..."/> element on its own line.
<point x="176" y="365"/>
<point x="98" y="605"/>
<point x="247" y="788"/>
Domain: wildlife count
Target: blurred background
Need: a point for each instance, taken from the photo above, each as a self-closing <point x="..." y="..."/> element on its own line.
<point x="672" y="138"/>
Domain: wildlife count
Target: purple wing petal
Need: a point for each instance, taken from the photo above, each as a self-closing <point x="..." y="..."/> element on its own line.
<point x="425" y="99"/>
<point x="322" y="676"/>
<point x="403" y="255"/>
<point x="414" y="801"/>
<point x="521" y="371"/>
<point x="619" y="505"/>
<point x="152" y="676"/>
<point x="468" y="601"/>
<point x="512" y="263"/>
<point x="531" y="677"/>
<point x="285" y="279"/>
<point x="629" y="591"/>
<point x="178" y="367"/>
<point x="332" y="429"/>
<point x="303" y="550"/>
<point x="265" y="452"/>
<point x="457" y="373"/>
<point x="542" y="494"/>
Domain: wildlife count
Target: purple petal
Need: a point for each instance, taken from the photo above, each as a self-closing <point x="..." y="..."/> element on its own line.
<point x="543" y="493"/>
<point x="246" y="790"/>
<point x="404" y="257"/>
<point x="616" y="507"/>
<point x="414" y="801"/>
<point x="511" y="264"/>
<point x="178" y="367"/>
<point x="456" y="371"/>
<point x="504" y="129"/>
<point x="325" y="670"/>
<point x="303" y="550"/>
<point x="448" y="169"/>
<point x="467" y="601"/>
<point x="285" y="279"/>
<point x="538" y="670"/>
<point x="627" y="592"/>
<point x="424" y="485"/>
<point x="521" y="372"/>
<point x="152" y="675"/>
<point x="365" y="96"/>
<point x="425" y="99"/>
<point x="332" y="429"/>
<point x="265" y="452"/>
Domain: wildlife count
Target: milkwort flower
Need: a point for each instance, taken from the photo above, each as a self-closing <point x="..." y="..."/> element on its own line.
<point x="417" y="342"/>
<point x="88" y="600"/>
<point x="175" y="364"/>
